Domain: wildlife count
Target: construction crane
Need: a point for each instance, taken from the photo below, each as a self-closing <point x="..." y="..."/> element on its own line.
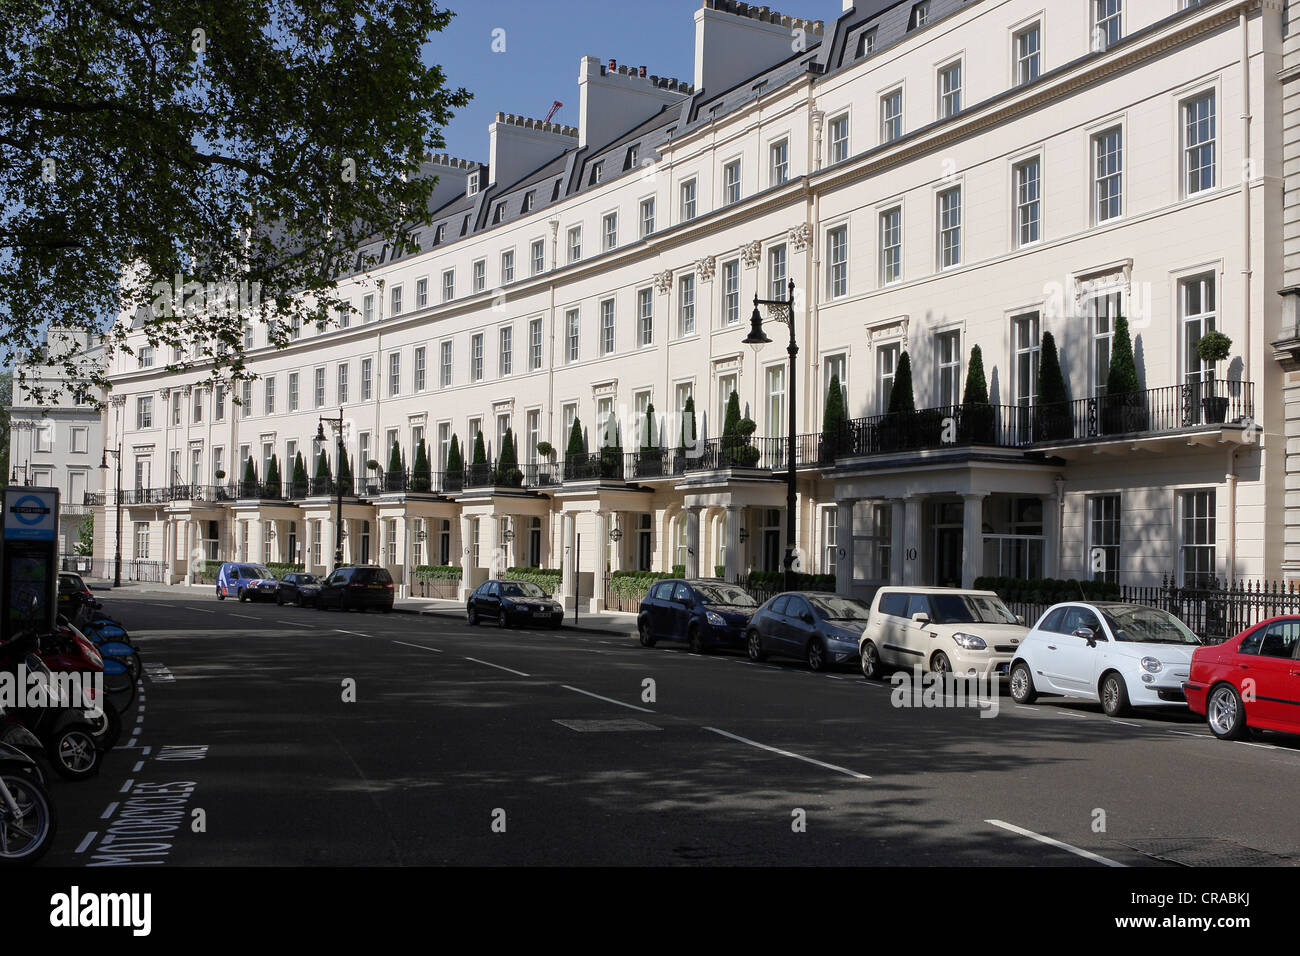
<point x="554" y="106"/>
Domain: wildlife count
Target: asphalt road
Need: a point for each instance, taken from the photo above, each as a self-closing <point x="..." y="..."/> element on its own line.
<point x="481" y="746"/>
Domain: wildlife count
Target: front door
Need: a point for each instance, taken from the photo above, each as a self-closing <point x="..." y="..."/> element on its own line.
<point x="947" y="557"/>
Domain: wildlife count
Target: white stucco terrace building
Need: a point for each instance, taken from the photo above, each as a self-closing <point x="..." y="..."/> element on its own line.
<point x="932" y="176"/>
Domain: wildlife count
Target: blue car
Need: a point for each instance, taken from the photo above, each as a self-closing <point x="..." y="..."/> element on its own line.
<point x="705" y="614"/>
<point x="247" y="582"/>
<point x="821" y="629"/>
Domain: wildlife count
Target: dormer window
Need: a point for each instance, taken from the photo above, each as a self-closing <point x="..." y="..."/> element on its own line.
<point x="472" y="186"/>
<point x="499" y="213"/>
<point x="529" y="198"/>
<point x="633" y="157"/>
<point x="597" y="173"/>
<point x="920" y="15"/>
<point x="867" y="43"/>
<point x="464" y="225"/>
<point x="555" y="191"/>
<point x="440" y="233"/>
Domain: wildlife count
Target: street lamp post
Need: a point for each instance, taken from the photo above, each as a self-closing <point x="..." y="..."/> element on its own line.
<point x="782" y="310"/>
<point x="103" y="464"/>
<point x="337" y="425"/>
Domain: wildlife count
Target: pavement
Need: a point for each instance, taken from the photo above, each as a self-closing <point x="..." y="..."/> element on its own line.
<point x="304" y="737"/>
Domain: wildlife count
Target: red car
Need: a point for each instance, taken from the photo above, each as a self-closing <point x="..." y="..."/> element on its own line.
<point x="1249" y="681"/>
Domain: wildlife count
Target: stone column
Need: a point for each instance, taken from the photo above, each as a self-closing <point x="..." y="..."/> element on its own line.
<point x="912" y="540"/>
<point x="844" y="570"/>
<point x="618" y="548"/>
<point x="733" y="566"/>
<point x="1052" y="533"/>
<point x="497" y="557"/>
<point x="693" y="541"/>
<point x="601" y="549"/>
<point x="568" y="582"/>
<point x="187" y="528"/>
<point x="972" y="538"/>
<point x="325" y="529"/>
<point x="466" y="555"/>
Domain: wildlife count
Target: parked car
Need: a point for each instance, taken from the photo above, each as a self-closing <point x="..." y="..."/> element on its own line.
<point x="945" y="630"/>
<point x="1120" y="654"/>
<point x="1264" y="656"/>
<point x="704" y="613"/>
<point x="246" y="582"/>
<point x="74" y="596"/>
<point x="512" y="602"/>
<point x="298" y="588"/>
<point x="357" y="588"/>
<point x="822" y="629"/>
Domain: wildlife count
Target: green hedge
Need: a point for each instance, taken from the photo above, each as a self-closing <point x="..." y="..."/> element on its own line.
<point x="775" y="581"/>
<point x="437" y="572"/>
<point x="280" y="568"/>
<point x="1047" y="590"/>
<point x="633" y="585"/>
<point x="548" y="579"/>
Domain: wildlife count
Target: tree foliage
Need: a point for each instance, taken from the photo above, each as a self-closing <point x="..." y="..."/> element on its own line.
<point x="221" y="141"/>
<point x="977" y="389"/>
<point x="900" y="396"/>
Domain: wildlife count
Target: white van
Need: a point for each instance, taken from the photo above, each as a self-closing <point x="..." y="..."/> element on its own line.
<point x="945" y="630"/>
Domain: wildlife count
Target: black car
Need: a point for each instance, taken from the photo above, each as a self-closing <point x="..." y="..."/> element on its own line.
<point x="74" y="597"/>
<point x="822" y="629"/>
<point x="298" y="588"/>
<point x="357" y="589"/>
<point x="513" y="602"/>
<point x="706" y="614"/>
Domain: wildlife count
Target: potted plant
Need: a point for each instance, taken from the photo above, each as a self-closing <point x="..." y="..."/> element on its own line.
<point x="545" y="476"/>
<point x="1213" y="348"/>
<point x="897" y="428"/>
<point x="454" y="479"/>
<point x="299" y="479"/>
<point x="221" y="491"/>
<point x="508" y="471"/>
<point x="649" y="460"/>
<point x="420" y="478"/>
<point x="835" y="423"/>
<point x="976" y="412"/>
<point x="1051" y="403"/>
<point x="1123" y="407"/>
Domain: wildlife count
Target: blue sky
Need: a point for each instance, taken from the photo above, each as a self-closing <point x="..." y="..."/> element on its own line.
<point x="544" y="42"/>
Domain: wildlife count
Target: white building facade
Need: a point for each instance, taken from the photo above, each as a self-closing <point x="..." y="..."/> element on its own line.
<point x="932" y="177"/>
<point x="56" y="436"/>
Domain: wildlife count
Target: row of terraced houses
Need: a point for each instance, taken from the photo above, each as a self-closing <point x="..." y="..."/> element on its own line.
<point x="931" y="176"/>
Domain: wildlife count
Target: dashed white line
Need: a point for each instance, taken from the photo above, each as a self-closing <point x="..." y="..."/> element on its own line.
<point x="127" y="786"/>
<point x="610" y="700"/>
<point x="497" y="666"/>
<point x="353" y="633"/>
<point x="1077" y="851"/>
<point x="89" y="839"/>
<point x="420" y="646"/>
<point x="138" y="767"/>
<point x="787" y="753"/>
<point x="110" y="810"/>
<point x="247" y="617"/>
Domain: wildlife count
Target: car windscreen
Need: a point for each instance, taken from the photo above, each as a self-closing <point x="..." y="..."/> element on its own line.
<point x="840" y="608"/>
<point x="1147" y="625"/>
<point x="521" y="589"/>
<point x="260" y="572"/>
<point x="969" y="609"/>
<point x="724" y="594"/>
<point x="307" y="579"/>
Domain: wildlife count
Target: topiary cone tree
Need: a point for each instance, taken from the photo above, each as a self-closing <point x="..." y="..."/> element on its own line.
<point x="250" y="478"/>
<point x="648" y="442"/>
<point x="420" y="473"/>
<point x="508" y="472"/>
<point x="271" y="485"/>
<point x="299" y="475"/>
<point x="322" y="473"/>
<point x="393" y="480"/>
<point x="731" y="437"/>
<point x="345" y="474"/>
<point x="1050" y="397"/>
<point x="1123" y="406"/>
<point x="976" y="413"/>
<point x="454" y="479"/>
<point x="900" y="396"/>
<point x="835" y="421"/>
<point x="688" y="425"/>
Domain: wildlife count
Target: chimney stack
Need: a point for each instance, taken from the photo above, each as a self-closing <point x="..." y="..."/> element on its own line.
<point x="612" y="99"/>
<point x="734" y="41"/>
<point x="519" y="144"/>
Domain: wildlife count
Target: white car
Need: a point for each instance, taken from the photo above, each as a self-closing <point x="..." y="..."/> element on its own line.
<point x="945" y="630"/>
<point x="1124" y="655"/>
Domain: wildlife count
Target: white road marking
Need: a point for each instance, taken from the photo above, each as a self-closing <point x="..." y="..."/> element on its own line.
<point x="497" y="666"/>
<point x="1187" y="733"/>
<point x="787" y="753"/>
<point x="247" y="617"/>
<point x="290" y="623"/>
<point x="111" y="809"/>
<point x="126" y="786"/>
<point x="138" y="767"/>
<point x="420" y="646"/>
<point x="90" y="838"/>
<point x="609" y="700"/>
<point x="353" y="633"/>
<point x="1086" y="854"/>
<point x="201" y="610"/>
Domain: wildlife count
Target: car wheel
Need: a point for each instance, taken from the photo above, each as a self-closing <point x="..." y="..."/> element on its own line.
<point x="502" y="621"/>
<point x="1225" y="713"/>
<point x="1114" y="695"/>
<point x="816" y="653"/>
<point x="1022" y="684"/>
<point x="220" y="596"/>
<point x="939" y="664"/>
<point x="695" y="640"/>
<point x="871" y="667"/>
<point x="279" y="599"/>
<point x="755" y="643"/>
<point x="471" y="615"/>
<point x="243" y="596"/>
<point x="646" y="635"/>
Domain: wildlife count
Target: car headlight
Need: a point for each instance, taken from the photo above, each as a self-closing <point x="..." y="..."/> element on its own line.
<point x="969" y="641"/>
<point x="1151" y="665"/>
<point x="716" y="619"/>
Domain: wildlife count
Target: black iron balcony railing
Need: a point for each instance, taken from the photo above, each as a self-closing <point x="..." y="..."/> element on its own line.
<point x="606" y="465"/>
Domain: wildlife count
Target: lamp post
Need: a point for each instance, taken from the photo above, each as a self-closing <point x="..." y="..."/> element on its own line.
<point x="782" y="310"/>
<point x="103" y="464"/>
<point x="337" y="425"/>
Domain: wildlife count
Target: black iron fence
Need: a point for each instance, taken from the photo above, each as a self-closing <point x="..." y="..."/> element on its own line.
<point x="426" y="587"/>
<point x="149" y="572"/>
<point x="1213" y="613"/>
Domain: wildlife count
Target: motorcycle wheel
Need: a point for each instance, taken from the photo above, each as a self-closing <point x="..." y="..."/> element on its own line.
<point x="72" y="752"/>
<point x="25" y="836"/>
<point x="109" y="726"/>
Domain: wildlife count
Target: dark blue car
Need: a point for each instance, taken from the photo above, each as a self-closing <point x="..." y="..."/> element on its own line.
<point x="822" y="629"/>
<point x="705" y="614"/>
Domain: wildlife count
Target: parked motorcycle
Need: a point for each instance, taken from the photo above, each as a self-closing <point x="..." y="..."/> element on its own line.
<point x="69" y="738"/>
<point x="27" y="818"/>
